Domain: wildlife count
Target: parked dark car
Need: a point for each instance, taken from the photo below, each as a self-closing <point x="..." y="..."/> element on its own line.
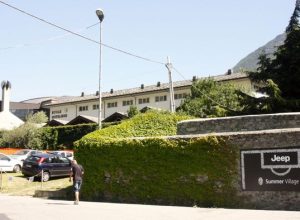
<point x="52" y="166"/>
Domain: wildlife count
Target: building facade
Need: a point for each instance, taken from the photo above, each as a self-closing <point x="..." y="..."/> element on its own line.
<point x="154" y="96"/>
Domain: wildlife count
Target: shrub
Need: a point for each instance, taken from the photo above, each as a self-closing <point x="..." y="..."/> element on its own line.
<point x="198" y="171"/>
<point x="121" y="166"/>
<point x="64" y="136"/>
<point x="152" y="123"/>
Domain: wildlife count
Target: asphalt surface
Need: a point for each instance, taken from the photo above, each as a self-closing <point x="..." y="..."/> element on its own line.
<point x="23" y="208"/>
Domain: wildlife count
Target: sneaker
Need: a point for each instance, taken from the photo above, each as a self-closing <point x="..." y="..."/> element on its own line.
<point x="76" y="203"/>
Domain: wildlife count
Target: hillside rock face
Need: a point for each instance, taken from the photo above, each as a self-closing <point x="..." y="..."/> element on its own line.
<point x="250" y="61"/>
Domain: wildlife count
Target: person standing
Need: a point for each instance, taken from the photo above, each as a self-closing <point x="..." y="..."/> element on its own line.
<point x="77" y="172"/>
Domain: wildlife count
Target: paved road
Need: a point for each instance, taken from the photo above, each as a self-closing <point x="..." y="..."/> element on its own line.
<point x="23" y="208"/>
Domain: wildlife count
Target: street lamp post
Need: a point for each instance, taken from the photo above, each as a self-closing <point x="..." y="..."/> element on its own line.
<point x="100" y="15"/>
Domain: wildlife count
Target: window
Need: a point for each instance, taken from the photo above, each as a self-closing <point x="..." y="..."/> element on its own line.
<point x="144" y="100"/>
<point x="127" y="102"/>
<point x="60" y="116"/>
<point x="180" y="96"/>
<point x="95" y="107"/>
<point x="112" y="104"/>
<point x="83" y="108"/>
<point x="160" y="98"/>
<point x="64" y="160"/>
<point x="3" y="157"/>
<point x="56" y="112"/>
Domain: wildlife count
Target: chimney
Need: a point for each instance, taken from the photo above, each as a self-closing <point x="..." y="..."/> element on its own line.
<point x="194" y="78"/>
<point x="82" y="94"/>
<point x="97" y="93"/>
<point x="229" y="72"/>
<point x="111" y="91"/>
<point x="158" y="84"/>
<point x="142" y="86"/>
<point x="6" y="87"/>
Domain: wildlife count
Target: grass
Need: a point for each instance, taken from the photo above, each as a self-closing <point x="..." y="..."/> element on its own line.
<point x="17" y="184"/>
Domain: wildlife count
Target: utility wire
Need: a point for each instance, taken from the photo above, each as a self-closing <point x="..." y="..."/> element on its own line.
<point x="78" y="35"/>
<point x="45" y="40"/>
<point x="207" y="96"/>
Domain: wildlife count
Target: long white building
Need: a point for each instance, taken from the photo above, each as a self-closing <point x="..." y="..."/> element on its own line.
<point x="155" y="96"/>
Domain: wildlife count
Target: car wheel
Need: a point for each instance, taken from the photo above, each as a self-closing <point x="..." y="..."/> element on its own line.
<point x="17" y="168"/>
<point x="46" y="176"/>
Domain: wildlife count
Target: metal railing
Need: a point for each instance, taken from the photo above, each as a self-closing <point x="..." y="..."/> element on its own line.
<point x="9" y="178"/>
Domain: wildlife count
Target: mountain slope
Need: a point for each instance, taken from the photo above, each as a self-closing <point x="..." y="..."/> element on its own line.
<point x="250" y="61"/>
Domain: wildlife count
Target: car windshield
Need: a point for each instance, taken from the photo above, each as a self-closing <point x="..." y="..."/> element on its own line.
<point x="54" y="152"/>
<point x="21" y="152"/>
<point x="3" y="157"/>
<point x="33" y="158"/>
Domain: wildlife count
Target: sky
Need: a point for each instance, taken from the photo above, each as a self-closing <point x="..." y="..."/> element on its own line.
<point x="201" y="37"/>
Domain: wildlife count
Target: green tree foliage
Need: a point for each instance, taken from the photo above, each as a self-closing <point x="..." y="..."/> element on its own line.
<point x="132" y="111"/>
<point x="279" y="78"/>
<point x="264" y="104"/>
<point x="211" y="99"/>
<point x="37" y="118"/>
<point x="25" y="136"/>
<point x="286" y="64"/>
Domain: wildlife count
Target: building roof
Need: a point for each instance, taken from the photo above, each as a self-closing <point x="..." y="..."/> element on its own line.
<point x="19" y="105"/>
<point x="83" y="119"/>
<point x="117" y="116"/>
<point x="56" y="122"/>
<point x="41" y="99"/>
<point x="139" y="90"/>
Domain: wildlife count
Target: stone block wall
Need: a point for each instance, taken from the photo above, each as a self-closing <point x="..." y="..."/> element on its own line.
<point x="239" y="123"/>
<point x="253" y="132"/>
<point x="279" y="138"/>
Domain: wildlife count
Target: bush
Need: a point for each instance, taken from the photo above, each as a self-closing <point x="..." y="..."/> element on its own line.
<point x="25" y="136"/>
<point x="152" y="123"/>
<point x="157" y="170"/>
<point x="198" y="171"/>
<point x="64" y="136"/>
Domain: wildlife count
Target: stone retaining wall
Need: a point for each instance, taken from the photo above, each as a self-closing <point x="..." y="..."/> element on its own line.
<point x="239" y="123"/>
<point x="253" y="132"/>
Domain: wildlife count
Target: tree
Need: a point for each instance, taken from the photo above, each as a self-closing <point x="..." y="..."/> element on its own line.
<point x="27" y="135"/>
<point x="286" y="64"/>
<point x="211" y="99"/>
<point x="264" y="104"/>
<point x="284" y="69"/>
<point x="37" y="118"/>
<point x="132" y="111"/>
<point x="24" y="136"/>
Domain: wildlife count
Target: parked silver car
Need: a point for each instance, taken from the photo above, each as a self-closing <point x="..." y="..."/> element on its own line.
<point x="23" y="154"/>
<point x="9" y="164"/>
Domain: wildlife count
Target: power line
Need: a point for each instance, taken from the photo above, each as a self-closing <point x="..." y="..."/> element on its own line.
<point x="81" y="36"/>
<point x="45" y="40"/>
<point x="207" y="96"/>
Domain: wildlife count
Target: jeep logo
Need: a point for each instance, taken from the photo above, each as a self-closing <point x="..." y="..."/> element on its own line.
<point x="281" y="158"/>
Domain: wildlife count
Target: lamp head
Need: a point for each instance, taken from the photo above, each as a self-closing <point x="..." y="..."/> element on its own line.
<point x="100" y="14"/>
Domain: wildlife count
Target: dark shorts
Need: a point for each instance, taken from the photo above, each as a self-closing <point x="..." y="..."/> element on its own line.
<point x="77" y="185"/>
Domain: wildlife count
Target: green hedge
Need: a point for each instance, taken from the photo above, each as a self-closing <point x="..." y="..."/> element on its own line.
<point x="121" y="166"/>
<point x="64" y="136"/>
<point x="149" y="124"/>
<point x="159" y="171"/>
